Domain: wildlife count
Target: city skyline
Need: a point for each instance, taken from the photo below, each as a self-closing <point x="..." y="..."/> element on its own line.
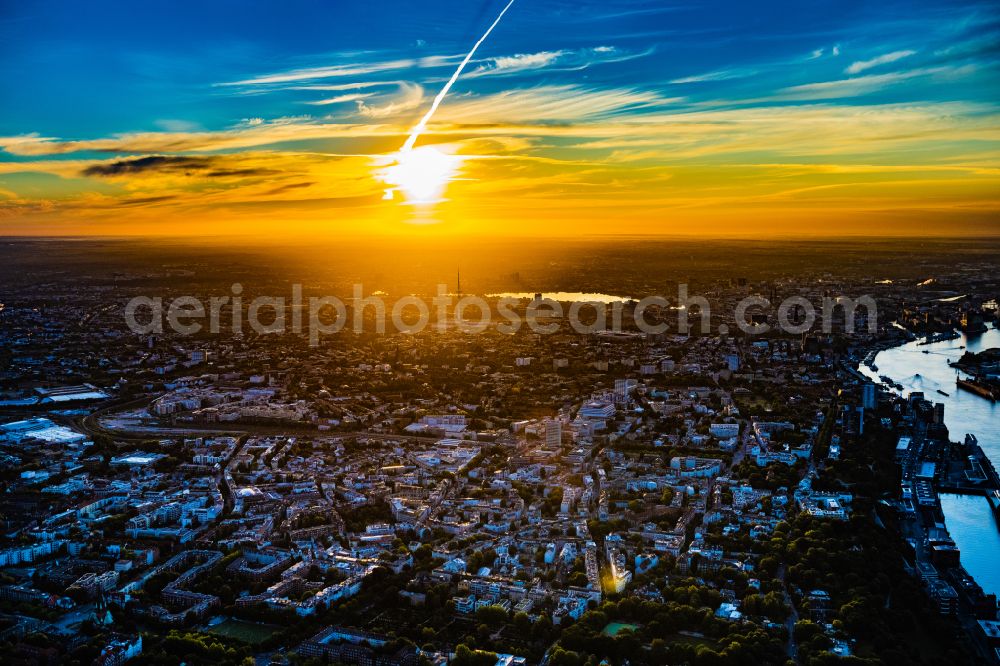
<point x="570" y="119"/>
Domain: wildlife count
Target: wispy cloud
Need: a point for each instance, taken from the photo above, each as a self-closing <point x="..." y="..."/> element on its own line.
<point x="600" y="118"/>
<point x="884" y="59"/>
<point x="551" y="103"/>
<point x="868" y="84"/>
<point x="338" y="87"/>
<point x="986" y="45"/>
<point x="834" y="51"/>
<point x="520" y="62"/>
<point x="341" y="99"/>
<point x="328" y="72"/>
<point x="143" y="164"/>
<point x="886" y="156"/>
<point x="248" y="135"/>
<point x="564" y="60"/>
<point x="207" y="166"/>
<point x="720" y="75"/>
<point x="410" y="97"/>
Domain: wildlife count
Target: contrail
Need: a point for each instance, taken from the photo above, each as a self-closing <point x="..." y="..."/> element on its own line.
<point x="422" y="125"/>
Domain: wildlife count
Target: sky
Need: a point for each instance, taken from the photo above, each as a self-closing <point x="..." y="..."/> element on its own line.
<point x="573" y="118"/>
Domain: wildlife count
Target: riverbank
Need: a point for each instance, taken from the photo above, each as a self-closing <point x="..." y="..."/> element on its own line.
<point x="927" y="368"/>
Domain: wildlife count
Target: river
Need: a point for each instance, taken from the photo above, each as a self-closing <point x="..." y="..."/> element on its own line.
<point x="969" y="519"/>
<point x="971" y="524"/>
<point x="563" y="296"/>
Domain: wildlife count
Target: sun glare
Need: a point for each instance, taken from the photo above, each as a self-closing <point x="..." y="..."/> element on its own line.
<point x="421" y="174"/>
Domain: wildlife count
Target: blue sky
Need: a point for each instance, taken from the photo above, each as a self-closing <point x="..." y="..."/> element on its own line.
<point x="95" y="72"/>
<point x="88" y="69"/>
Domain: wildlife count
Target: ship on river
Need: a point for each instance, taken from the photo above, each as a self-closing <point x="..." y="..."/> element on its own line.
<point x="978" y="387"/>
<point x="940" y="337"/>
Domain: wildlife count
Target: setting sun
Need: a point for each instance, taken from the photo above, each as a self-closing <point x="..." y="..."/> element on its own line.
<point x="422" y="174"/>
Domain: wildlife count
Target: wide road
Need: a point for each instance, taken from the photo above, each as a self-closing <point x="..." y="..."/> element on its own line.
<point x="791" y="648"/>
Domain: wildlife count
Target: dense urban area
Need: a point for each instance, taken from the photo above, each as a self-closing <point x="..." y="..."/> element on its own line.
<point x="453" y="498"/>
